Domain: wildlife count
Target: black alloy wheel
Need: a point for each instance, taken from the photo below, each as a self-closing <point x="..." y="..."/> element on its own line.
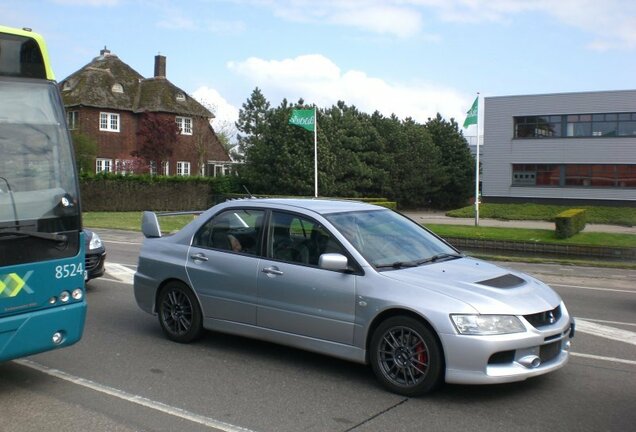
<point x="179" y="313"/>
<point x="405" y="356"/>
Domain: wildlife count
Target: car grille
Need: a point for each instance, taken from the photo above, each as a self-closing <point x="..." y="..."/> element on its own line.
<point x="91" y="262"/>
<point x="549" y="351"/>
<point x="543" y="319"/>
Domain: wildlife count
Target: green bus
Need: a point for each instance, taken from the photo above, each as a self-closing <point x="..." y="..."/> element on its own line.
<point x="42" y="295"/>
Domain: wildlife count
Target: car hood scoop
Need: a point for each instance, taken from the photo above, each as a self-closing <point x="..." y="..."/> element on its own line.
<point x="505" y="281"/>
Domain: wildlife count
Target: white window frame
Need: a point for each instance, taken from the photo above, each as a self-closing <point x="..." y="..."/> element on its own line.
<point x="72" y="119"/>
<point x="165" y="167"/>
<point x="183" y="168"/>
<point x="185" y="125"/>
<point x="152" y="168"/>
<point x="109" y="122"/>
<point x="103" y="165"/>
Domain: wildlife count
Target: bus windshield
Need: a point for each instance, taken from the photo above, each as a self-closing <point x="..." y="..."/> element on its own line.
<point x="38" y="190"/>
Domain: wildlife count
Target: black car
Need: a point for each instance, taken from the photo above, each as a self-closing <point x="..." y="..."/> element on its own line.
<point x="95" y="255"/>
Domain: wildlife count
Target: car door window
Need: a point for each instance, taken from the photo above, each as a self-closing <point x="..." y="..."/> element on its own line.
<point x="234" y="230"/>
<point x="298" y="239"/>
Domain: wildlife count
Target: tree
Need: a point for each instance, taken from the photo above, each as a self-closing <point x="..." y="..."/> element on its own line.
<point x="157" y="137"/>
<point x="457" y="161"/>
<point x="252" y="123"/>
<point x="85" y="152"/>
<point x="359" y="159"/>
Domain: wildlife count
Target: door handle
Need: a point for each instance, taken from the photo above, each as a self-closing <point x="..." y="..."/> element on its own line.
<point x="199" y="257"/>
<point x="272" y="271"/>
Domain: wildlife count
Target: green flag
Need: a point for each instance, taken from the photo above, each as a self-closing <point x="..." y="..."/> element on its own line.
<point x="303" y="118"/>
<point x="471" y="114"/>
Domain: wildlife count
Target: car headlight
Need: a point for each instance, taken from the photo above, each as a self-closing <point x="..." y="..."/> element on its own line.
<point x="487" y="324"/>
<point x="95" y="242"/>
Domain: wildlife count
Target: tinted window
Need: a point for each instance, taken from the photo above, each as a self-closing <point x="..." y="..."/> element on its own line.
<point x="20" y="57"/>
<point x="298" y="239"/>
<point x="237" y="230"/>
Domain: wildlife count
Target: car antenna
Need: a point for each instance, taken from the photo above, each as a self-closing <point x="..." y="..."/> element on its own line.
<point x="248" y="192"/>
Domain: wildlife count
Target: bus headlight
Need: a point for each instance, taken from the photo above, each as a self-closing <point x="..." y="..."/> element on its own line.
<point x="65" y="296"/>
<point x="77" y="294"/>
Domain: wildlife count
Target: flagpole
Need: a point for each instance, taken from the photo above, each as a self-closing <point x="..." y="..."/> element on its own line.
<point x="315" y="154"/>
<point x="477" y="170"/>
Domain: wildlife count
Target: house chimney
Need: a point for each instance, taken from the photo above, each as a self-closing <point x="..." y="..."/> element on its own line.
<point x="160" y="66"/>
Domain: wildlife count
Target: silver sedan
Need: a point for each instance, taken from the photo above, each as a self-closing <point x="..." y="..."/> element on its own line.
<point x="354" y="281"/>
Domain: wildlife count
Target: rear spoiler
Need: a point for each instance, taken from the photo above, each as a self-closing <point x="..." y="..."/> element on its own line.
<point x="150" y="227"/>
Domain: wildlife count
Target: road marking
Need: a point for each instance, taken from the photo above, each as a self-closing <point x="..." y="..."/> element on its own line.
<point x="607" y="322"/>
<point x="606" y="332"/>
<point x="139" y="400"/>
<point x="610" y="359"/>
<point x="120" y="272"/>
<point x="121" y="242"/>
<point x="594" y="288"/>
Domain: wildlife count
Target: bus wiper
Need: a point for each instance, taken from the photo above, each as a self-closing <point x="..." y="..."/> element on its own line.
<point x="439" y="257"/>
<point x="41" y="235"/>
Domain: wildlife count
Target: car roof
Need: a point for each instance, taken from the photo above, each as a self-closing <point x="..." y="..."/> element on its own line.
<point x="317" y="205"/>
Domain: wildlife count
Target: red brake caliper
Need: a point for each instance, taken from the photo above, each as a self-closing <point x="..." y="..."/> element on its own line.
<point x="422" y="355"/>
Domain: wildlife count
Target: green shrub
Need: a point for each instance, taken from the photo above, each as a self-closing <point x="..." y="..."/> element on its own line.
<point x="569" y="222"/>
<point x="388" y="204"/>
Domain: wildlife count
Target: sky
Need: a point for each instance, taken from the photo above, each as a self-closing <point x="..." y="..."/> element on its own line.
<point x="411" y="58"/>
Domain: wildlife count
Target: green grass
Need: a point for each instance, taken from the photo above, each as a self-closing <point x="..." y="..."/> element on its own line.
<point x="625" y="216"/>
<point x="533" y="235"/>
<point x="131" y="221"/>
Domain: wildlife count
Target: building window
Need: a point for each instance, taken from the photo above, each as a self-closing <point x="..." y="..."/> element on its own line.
<point x="124" y="166"/>
<point x="576" y="125"/>
<point x="117" y="88"/>
<point x="152" y="167"/>
<point x="536" y="175"/>
<point x="72" y="119"/>
<point x="574" y="175"/>
<point x="180" y="97"/>
<point x="183" y="168"/>
<point x="185" y="125"/>
<point x="537" y="126"/>
<point x="103" y="165"/>
<point x="109" y="122"/>
<point x="165" y="167"/>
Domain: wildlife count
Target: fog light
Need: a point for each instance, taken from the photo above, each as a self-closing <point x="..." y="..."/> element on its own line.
<point x="65" y="296"/>
<point x="57" y="338"/>
<point x="77" y="294"/>
<point x="567" y="345"/>
<point x="52" y="300"/>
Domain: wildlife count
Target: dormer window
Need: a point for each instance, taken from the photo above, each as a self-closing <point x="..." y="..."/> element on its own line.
<point x="181" y="97"/>
<point x="66" y="86"/>
<point x="117" y="88"/>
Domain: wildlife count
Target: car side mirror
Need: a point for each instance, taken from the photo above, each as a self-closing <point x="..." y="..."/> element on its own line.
<point x="150" y="225"/>
<point x="333" y="261"/>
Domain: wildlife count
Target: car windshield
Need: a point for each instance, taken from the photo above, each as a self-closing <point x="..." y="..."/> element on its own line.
<point x="388" y="240"/>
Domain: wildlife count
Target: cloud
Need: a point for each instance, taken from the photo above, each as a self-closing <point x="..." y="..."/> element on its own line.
<point x="319" y="80"/>
<point x="225" y="114"/>
<point x="611" y="23"/>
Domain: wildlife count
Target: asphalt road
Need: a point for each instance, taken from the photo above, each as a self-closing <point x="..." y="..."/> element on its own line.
<point x="125" y="376"/>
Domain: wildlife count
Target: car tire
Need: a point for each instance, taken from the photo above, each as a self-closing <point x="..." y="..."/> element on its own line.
<point x="406" y="356"/>
<point x="179" y="313"/>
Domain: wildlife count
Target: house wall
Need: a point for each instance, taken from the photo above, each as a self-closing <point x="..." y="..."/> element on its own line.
<point x="502" y="149"/>
<point x="201" y="146"/>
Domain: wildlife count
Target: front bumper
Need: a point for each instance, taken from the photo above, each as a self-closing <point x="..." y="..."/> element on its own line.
<point x="507" y="358"/>
<point x="94" y="264"/>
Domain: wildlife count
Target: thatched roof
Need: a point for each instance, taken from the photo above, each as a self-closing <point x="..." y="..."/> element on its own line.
<point x="107" y="82"/>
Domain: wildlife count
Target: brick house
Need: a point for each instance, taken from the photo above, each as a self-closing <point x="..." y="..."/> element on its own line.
<point x="106" y="101"/>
